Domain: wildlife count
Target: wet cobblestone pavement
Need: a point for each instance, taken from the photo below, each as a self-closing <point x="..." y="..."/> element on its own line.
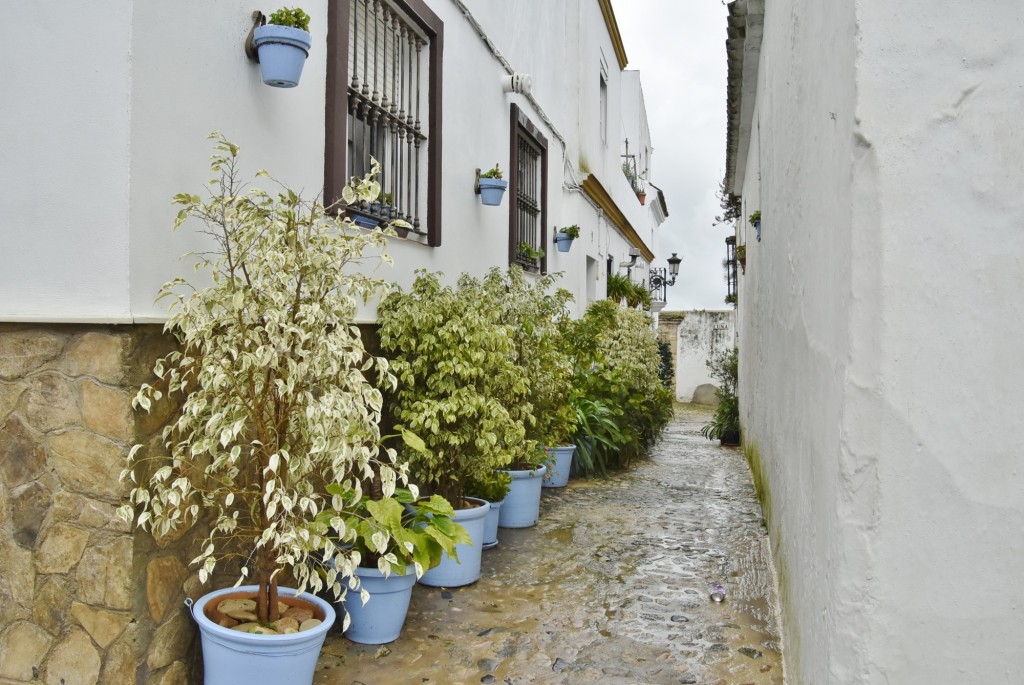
<point x="612" y="586"/>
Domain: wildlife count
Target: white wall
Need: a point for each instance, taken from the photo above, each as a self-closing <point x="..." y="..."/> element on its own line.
<point x="701" y="335"/>
<point x="64" y="166"/>
<point x="190" y="78"/>
<point x="94" y="155"/>
<point x="878" y="330"/>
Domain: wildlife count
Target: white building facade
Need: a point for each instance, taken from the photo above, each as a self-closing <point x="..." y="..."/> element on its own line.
<point x="106" y="118"/>
<point x="97" y="146"/>
<point x="879" y="329"/>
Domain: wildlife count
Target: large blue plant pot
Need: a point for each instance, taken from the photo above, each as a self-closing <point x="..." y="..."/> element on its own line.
<point x="559" y="466"/>
<point x="521" y="508"/>
<point x="283" y="51"/>
<point x="563" y="242"/>
<point x="466" y="569"/>
<point x="491" y="525"/>
<point x="381" y="619"/>
<point x="231" y="657"/>
<point x="492" y="190"/>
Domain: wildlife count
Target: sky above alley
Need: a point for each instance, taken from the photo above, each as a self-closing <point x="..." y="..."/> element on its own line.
<point x="679" y="48"/>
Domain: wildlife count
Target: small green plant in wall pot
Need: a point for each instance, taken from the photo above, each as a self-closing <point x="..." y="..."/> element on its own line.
<point x="283" y="44"/>
<point x="528" y="253"/>
<point x="755" y="221"/>
<point x="565" y="236"/>
<point x="741" y="256"/>
<point x="491" y="186"/>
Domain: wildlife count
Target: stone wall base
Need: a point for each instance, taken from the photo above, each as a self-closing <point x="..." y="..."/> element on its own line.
<point x="83" y="599"/>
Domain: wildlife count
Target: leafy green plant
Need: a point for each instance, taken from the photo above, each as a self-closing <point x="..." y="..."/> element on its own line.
<point x="635" y="181"/>
<point x="529" y="253"/>
<point x="665" y="370"/>
<point x="493" y="173"/>
<point x="571" y="231"/>
<point x="598" y="436"/>
<point x="621" y="287"/>
<point x="755" y="217"/>
<point x="536" y="312"/>
<point x="730" y="298"/>
<point x="391" y="537"/>
<point x="617" y="365"/>
<point x="730" y="204"/>
<point x="741" y="253"/>
<point x="290" y="16"/>
<point x="725" y="423"/>
<point x="455" y="360"/>
<point x="275" y="386"/>
<point x="493" y="488"/>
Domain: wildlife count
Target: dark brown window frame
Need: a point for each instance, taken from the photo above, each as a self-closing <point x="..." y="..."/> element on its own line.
<point x="336" y="129"/>
<point x="520" y="124"/>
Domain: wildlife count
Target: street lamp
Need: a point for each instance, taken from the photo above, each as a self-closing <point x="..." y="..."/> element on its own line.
<point x="658" y="279"/>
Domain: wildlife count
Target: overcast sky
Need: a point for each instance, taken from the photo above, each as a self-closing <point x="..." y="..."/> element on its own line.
<point x="679" y="48"/>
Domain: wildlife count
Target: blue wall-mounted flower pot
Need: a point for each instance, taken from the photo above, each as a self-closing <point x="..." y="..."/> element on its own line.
<point x="563" y="241"/>
<point x="492" y="190"/>
<point x="283" y="51"/>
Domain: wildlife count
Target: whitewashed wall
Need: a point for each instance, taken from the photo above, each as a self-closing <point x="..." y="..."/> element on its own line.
<point x="188" y="79"/>
<point x="96" y="148"/>
<point x="64" y="160"/>
<point x="701" y="335"/>
<point x="879" y="332"/>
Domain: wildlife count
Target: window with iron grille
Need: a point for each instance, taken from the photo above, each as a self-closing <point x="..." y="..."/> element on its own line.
<point x="383" y="102"/>
<point x="729" y="264"/>
<point x="528" y="192"/>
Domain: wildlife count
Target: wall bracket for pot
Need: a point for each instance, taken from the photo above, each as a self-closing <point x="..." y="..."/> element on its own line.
<point x="476" y="182"/>
<point x="258" y="19"/>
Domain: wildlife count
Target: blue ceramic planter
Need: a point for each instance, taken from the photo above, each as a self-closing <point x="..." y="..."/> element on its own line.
<point x="559" y="466"/>
<point x="491" y="525"/>
<point x="231" y="657"/>
<point x="364" y="221"/>
<point x="492" y="190"/>
<point x="381" y="619"/>
<point x="521" y="508"/>
<point x="283" y="51"/>
<point x="465" y="570"/>
<point x="563" y="242"/>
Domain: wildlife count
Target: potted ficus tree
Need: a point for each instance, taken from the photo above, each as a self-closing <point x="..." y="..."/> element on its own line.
<point x="565" y="236"/>
<point x="492" y="186"/>
<point x="283" y="44"/>
<point x="536" y="312"/>
<point x="394" y="545"/>
<point x="454" y="359"/>
<point x="277" y="397"/>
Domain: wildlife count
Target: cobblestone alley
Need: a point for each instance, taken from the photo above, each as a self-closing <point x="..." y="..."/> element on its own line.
<point x="612" y="586"/>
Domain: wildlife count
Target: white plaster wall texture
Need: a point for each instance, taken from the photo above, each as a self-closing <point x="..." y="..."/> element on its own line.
<point x="64" y="168"/>
<point x="701" y="335"/>
<point x="193" y="77"/>
<point x="941" y="121"/>
<point x="878" y="332"/>
<point x="174" y="81"/>
<point x="794" y="337"/>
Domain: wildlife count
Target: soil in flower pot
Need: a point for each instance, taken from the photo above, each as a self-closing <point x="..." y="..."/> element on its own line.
<point x="238" y="612"/>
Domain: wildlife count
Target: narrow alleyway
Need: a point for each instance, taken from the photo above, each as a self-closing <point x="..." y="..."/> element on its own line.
<point x="612" y="586"/>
